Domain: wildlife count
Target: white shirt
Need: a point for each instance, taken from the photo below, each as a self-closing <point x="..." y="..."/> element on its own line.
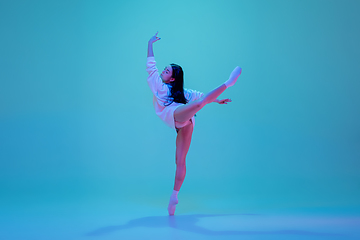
<point x="161" y="92"/>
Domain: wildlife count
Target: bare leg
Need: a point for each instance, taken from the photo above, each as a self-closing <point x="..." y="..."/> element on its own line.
<point x="183" y="141"/>
<point x="187" y="111"/>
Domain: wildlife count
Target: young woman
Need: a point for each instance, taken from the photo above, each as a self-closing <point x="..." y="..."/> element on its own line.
<point x="177" y="106"/>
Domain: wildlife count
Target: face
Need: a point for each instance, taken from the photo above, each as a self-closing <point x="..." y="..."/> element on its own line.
<point x="166" y="75"/>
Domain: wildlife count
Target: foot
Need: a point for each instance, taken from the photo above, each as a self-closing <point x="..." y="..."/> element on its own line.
<point x="233" y="77"/>
<point x="172" y="204"/>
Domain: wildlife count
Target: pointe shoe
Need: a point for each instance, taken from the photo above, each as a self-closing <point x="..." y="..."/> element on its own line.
<point x="233" y="77"/>
<point x="236" y="72"/>
<point x="172" y="205"/>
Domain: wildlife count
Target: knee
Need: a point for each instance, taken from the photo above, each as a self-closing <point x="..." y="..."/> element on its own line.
<point x="180" y="162"/>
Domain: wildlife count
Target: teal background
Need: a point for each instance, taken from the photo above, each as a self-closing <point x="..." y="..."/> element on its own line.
<point x="78" y="132"/>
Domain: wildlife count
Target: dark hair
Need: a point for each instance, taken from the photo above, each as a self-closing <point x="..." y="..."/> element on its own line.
<point x="177" y="86"/>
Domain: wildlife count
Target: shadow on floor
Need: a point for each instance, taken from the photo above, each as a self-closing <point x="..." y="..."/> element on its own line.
<point x="188" y="223"/>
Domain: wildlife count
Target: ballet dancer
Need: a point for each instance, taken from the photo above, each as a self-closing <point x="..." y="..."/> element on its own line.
<point x="177" y="106"/>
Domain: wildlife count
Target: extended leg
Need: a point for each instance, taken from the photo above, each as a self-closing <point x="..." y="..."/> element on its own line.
<point x="183" y="141"/>
<point x="187" y="111"/>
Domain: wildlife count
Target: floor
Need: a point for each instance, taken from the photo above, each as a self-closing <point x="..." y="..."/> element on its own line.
<point x="133" y="220"/>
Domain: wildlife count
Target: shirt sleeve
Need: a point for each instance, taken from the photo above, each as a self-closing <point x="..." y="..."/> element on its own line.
<point x="192" y="95"/>
<point x="153" y="79"/>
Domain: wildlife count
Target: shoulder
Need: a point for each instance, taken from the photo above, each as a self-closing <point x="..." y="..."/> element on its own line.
<point x="192" y="95"/>
<point x="188" y="93"/>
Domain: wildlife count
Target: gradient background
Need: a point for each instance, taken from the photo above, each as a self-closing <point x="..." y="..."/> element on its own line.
<point x="79" y="136"/>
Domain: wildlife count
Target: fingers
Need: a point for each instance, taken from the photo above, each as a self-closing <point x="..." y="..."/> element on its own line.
<point x="156" y="37"/>
<point x="225" y="101"/>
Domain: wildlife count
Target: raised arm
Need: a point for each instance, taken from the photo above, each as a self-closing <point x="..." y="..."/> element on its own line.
<point x="150" y="44"/>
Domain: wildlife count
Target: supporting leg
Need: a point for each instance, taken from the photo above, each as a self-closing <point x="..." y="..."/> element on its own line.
<point x="183" y="141"/>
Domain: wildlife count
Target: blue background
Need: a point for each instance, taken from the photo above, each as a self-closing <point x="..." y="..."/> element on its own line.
<point x="78" y="128"/>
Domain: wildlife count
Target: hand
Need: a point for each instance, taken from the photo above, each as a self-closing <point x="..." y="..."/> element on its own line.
<point x="223" y="101"/>
<point x="154" y="38"/>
